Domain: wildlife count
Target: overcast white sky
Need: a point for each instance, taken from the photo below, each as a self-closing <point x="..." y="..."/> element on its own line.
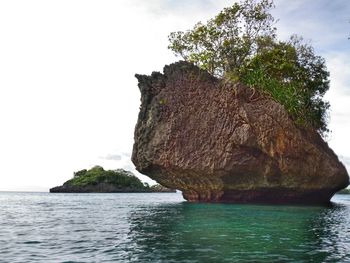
<point x="68" y="96"/>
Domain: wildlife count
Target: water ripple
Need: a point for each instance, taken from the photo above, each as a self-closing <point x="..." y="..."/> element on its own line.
<point x="42" y="227"/>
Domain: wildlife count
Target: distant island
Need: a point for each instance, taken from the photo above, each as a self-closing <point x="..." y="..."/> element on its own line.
<point x="99" y="180"/>
<point x="345" y="191"/>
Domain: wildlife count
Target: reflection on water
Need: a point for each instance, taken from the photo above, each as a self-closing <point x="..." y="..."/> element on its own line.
<point x="240" y="233"/>
<point x="331" y="229"/>
<point x="164" y="228"/>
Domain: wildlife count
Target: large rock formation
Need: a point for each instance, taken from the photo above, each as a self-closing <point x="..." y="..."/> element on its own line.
<point x="219" y="142"/>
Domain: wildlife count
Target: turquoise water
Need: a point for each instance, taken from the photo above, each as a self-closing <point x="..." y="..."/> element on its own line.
<point x="43" y="227"/>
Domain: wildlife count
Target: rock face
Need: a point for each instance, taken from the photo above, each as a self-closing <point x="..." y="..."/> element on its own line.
<point x="219" y="142"/>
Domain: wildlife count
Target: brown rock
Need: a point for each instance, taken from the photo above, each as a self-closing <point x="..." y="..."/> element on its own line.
<point x="218" y="142"/>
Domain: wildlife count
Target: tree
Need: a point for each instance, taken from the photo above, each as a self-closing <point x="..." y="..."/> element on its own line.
<point x="240" y="44"/>
<point x="225" y="42"/>
<point x="80" y="173"/>
<point x="293" y="75"/>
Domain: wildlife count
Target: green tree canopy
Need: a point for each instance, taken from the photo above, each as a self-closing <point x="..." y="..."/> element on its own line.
<point x="240" y="44"/>
<point x="96" y="175"/>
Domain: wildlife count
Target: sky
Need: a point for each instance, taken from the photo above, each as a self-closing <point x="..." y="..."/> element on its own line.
<point x="68" y="96"/>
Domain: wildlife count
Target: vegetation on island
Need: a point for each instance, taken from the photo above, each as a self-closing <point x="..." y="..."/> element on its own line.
<point x="345" y="191"/>
<point x="96" y="175"/>
<point x="240" y="44"/>
<point x="97" y="179"/>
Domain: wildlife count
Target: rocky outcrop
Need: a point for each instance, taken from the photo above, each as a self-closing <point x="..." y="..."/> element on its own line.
<point x="220" y="142"/>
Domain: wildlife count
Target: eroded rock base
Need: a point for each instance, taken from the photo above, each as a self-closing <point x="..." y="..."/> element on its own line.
<point x="263" y="196"/>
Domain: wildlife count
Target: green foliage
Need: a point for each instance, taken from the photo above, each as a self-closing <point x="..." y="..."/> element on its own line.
<point x="96" y="175"/>
<point x="225" y="42"/>
<point x="80" y="173"/>
<point x="345" y="191"/>
<point x="295" y="77"/>
<point x="240" y="44"/>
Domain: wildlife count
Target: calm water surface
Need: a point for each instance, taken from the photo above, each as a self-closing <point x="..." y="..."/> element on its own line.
<point x="43" y="227"/>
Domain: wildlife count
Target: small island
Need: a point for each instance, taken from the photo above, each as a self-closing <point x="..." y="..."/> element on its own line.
<point x="99" y="180"/>
<point x="345" y="191"/>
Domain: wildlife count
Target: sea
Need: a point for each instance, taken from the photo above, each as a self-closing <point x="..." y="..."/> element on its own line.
<point x="163" y="227"/>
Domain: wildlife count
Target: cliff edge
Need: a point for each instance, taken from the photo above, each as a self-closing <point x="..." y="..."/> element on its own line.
<point x="223" y="142"/>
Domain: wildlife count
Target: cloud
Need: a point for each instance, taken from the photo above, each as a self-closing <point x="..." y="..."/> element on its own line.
<point x="345" y="160"/>
<point x="339" y="97"/>
<point x="117" y="156"/>
<point x="112" y="157"/>
<point x="325" y="22"/>
<point x="181" y="7"/>
<point x="174" y="15"/>
<point x="339" y="67"/>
